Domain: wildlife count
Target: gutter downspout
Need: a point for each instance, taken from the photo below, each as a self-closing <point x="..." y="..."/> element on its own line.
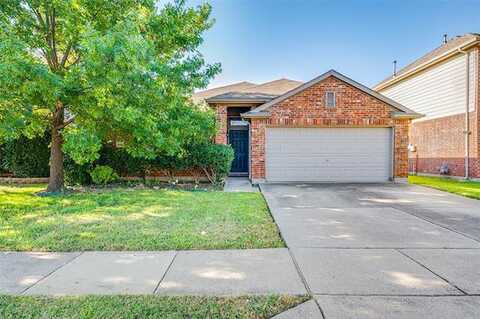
<point x="467" y="116"/>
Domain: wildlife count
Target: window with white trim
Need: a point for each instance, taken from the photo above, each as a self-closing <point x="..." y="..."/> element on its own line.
<point x="330" y="99"/>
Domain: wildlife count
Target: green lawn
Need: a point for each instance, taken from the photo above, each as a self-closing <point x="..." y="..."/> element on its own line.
<point x="464" y="188"/>
<point x="145" y="307"/>
<point x="133" y="219"/>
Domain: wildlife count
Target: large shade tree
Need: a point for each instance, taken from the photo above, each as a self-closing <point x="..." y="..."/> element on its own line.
<point x="90" y="71"/>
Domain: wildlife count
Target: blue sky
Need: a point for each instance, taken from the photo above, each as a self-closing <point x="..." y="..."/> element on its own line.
<point x="262" y="40"/>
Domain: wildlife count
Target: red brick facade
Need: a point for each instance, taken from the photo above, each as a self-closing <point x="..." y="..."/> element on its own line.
<point x="442" y="141"/>
<point x="354" y="108"/>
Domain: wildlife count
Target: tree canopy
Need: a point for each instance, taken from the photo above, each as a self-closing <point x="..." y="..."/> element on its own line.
<point x="90" y="71"/>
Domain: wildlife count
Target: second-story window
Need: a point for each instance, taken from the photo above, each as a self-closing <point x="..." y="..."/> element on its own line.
<point x="330" y="99"/>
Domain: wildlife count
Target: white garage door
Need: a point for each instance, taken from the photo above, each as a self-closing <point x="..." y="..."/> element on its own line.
<point x="328" y="154"/>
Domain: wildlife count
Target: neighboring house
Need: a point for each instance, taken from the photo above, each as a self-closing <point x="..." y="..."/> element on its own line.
<point x="440" y="85"/>
<point x="331" y="129"/>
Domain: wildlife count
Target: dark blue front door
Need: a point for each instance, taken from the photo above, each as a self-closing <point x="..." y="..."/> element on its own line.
<point x="239" y="141"/>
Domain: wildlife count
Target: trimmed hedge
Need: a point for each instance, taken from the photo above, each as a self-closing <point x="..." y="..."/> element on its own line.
<point x="214" y="160"/>
<point x="3" y="170"/>
<point x="122" y="162"/>
<point x="76" y="174"/>
<point x="26" y="157"/>
<point x="30" y="158"/>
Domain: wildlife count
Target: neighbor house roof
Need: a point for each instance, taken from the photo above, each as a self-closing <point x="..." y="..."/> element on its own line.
<point x="241" y="97"/>
<point x="261" y="92"/>
<point x="263" y="109"/>
<point x="236" y="87"/>
<point x="444" y="51"/>
<point x="276" y="87"/>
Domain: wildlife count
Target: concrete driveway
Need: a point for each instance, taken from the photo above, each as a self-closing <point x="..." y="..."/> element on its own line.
<point x="382" y="250"/>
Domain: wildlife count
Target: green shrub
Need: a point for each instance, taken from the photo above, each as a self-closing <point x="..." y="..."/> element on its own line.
<point x="76" y="174"/>
<point x="103" y="175"/>
<point x="215" y="160"/>
<point x="26" y="157"/>
<point x="116" y="158"/>
<point x="2" y="155"/>
<point x="170" y="165"/>
<point x="122" y="162"/>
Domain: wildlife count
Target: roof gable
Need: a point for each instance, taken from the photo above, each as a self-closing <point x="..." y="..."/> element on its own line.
<point x="262" y="110"/>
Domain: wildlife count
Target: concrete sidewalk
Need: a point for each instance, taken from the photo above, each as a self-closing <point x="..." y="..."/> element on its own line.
<point x="239" y="184"/>
<point x="220" y="272"/>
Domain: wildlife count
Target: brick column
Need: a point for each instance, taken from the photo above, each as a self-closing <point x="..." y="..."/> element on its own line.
<point x="221" y="120"/>
<point x="401" y="148"/>
<point x="257" y="147"/>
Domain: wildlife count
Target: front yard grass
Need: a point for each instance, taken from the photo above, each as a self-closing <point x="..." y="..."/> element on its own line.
<point x="465" y="188"/>
<point x="145" y="307"/>
<point x="133" y="219"/>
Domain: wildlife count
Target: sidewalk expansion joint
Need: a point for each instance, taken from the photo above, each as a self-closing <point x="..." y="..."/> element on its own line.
<point x="50" y="273"/>
<point x="439" y="276"/>
<point x="165" y="273"/>
<point x="304" y="280"/>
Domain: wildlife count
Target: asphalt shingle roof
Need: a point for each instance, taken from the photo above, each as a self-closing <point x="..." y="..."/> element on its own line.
<point x="236" y="87"/>
<point x="277" y="87"/>
<point x="265" y="91"/>
<point x="235" y="96"/>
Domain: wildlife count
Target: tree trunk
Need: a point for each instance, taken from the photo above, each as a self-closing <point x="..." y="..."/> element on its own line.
<point x="56" y="180"/>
